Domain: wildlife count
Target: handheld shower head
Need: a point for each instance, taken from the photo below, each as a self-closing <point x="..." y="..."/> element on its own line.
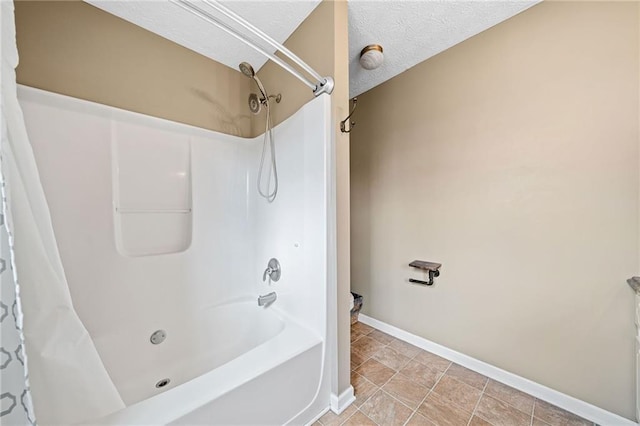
<point x="261" y="88"/>
<point x="247" y="69"/>
<point x="255" y="104"/>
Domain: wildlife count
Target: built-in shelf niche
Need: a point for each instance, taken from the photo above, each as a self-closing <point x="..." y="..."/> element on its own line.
<point x="151" y="190"/>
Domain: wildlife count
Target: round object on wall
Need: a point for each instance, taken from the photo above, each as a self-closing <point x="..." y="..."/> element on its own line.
<point x="162" y="383"/>
<point x="254" y="103"/>
<point x="371" y="57"/>
<point x="158" y="337"/>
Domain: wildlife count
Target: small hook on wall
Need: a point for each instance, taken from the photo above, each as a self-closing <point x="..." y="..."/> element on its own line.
<point x="343" y="123"/>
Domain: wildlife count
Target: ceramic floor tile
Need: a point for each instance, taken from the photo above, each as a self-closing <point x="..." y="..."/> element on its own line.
<point x="467" y="376"/>
<point x="456" y="392"/>
<point x="499" y="413"/>
<point x="355" y="336"/>
<point x="391" y="358"/>
<point x="366" y="346"/>
<point x="386" y="410"/>
<point x="557" y="416"/>
<point x="432" y="360"/>
<point x="361" y="328"/>
<point x="477" y="421"/>
<point x="381" y="337"/>
<point x="404" y="348"/>
<point x="511" y="396"/>
<point x="421" y="374"/>
<point x="331" y="419"/>
<point x="443" y="413"/>
<point x="405" y="390"/>
<point x="390" y="379"/>
<point x="419" y="420"/>
<point x="359" y="419"/>
<point x="357" y="358"/>
<point x="362" y="389"/>
<point x="375" y="372"/>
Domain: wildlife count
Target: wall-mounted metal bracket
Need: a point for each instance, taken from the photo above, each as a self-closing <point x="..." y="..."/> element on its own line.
<point x="431" y="267"/>
<point x="343" y="123"/>
<point x="325" y="86"/>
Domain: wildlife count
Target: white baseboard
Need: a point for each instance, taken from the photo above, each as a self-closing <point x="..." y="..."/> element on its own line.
<point x="340" y="403"/>
<point x="569" y="403"/>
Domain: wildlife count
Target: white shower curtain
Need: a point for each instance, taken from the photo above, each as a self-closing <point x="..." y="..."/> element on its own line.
<point x="16" y="407"/>
<point x="69" y="383"/>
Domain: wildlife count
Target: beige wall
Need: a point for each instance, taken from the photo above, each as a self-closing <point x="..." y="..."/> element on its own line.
<point x="343" y="194"/>
<point x="322" y="41"/>
<point x="314" y="43"/>
<point x="513" y="159"/>
<point x="73" y="48"/>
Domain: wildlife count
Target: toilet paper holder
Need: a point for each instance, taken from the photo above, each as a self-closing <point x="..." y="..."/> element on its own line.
<point x="431" y="267"/>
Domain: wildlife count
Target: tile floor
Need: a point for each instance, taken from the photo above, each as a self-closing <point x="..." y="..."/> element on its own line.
<point x="396" y="383"/>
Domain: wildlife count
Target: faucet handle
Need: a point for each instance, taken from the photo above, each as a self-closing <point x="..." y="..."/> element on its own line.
<point x="273" y="270"/>
<point x="267" y="271"/>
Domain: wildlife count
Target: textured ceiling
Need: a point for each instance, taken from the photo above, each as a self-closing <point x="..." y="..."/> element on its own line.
<point x="412" y="31"/>
<point x="277" y="18"/>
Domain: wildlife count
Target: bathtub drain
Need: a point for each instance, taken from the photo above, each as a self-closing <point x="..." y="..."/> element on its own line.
<point x="158" y="337"/>
<point x="162" y="383"/>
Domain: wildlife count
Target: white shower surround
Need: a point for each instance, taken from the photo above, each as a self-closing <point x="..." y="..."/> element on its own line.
<point x="217" y="279"/>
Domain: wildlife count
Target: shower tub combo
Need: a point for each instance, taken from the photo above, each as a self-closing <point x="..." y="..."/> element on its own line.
<point x="165" y="240"/>
<point x="260" y="367"/>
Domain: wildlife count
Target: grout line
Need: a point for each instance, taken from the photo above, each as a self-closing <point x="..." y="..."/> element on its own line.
<point x="381" y="386"/>
<point x="442" y="374"/>
<point x="396" y="372"/>
<point x="415" y="411"/>
<point x="510" y="405"/>
<point x="363" y="402"/>
<point x="452" y="403"/>
<point x="352" y="414"/>
<point x="373" y="421"/>
<point x="572" y="405"/>
<point x="394" y="398"/>
<point x="473" y="413"/>
<point x="533" y="409"/>
<point x="432" y="388"/>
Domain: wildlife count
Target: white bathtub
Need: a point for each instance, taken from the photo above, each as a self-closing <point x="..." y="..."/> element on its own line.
<point x="235" y="363"/>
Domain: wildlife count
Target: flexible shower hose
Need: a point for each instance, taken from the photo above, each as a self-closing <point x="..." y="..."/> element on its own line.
<point x="268" y="134"/>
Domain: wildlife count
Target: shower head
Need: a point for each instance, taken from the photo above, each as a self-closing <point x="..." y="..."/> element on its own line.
<point x="262" y="89"/>
<point x="247" y="69"/>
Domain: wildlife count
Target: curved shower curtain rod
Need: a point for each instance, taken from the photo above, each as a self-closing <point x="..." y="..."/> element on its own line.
<point x="322" y="84"/>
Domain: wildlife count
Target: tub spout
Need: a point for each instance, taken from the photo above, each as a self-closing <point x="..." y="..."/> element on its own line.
<point x="267" y="299"/>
